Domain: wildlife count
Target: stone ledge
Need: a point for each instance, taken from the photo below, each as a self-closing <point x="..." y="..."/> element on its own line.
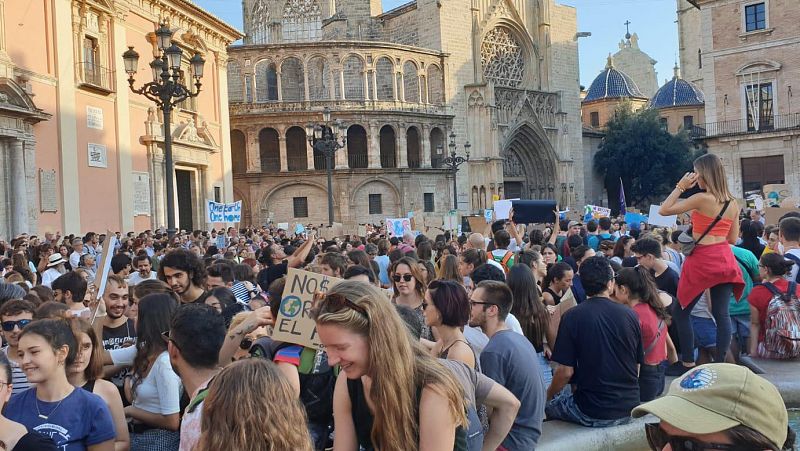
<point x="560" y="435"/>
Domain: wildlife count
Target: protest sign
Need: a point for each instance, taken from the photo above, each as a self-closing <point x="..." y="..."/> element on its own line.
<point x="595" y="212"/>
<point x="477" y="224"/>
<point x="283" y="225"/>
<point x="657" y="220"/>
<point x="398" y="226"/>
<point x="790" y="202"/>
<point x="103" y="270"/>
<point x="362" y="230"/>
<point x="502" y="208"/>
<point x="776" y="193"/>
<point x="219" y="212"/>
<point x="450" y="222"/>
<point x="773" y="215"/>
<point x="487" y="215"/>
<point x="294" y="324"/>
<point x="635" y="220"/>
<point x="222" y="242"/>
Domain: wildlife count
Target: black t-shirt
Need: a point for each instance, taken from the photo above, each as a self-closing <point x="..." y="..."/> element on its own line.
<point x="668" y="281"/>
<point x="602" y="341"/>
<point x="116" y="338"/>
<point x="271" y="273"/>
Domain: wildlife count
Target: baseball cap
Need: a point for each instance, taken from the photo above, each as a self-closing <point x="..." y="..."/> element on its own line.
<point x="718" y="396"/>
<point x="573" y="224"/>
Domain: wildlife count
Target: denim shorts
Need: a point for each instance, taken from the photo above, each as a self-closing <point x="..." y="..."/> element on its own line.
<point x="705" y="332"/>
<point x="740" y="325"/>
<point x="563" y="407"/>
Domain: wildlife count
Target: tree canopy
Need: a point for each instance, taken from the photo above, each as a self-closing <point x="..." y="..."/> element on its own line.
<point x="647" y="158"/>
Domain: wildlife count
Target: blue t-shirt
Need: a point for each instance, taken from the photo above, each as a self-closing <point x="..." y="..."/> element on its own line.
<point x="602" y="341"/>
<point x="383" y="266"/>
<point x="82" y="419"/>
<point x="511" y="361"/>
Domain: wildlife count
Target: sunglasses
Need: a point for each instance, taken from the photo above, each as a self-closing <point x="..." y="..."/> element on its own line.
<point x="166" y="337"/>
<point x="8" y="326"/>
<point x="471" y="303"/>
<point x="245" y="344"/>
<point x="658" y="439"/>
<point x="338" y="302"/>
<point x="405" y="277"/>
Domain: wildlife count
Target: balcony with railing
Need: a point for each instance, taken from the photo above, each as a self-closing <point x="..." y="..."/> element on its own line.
<point x="777" y="123"/>
<point x="95" y="76"/>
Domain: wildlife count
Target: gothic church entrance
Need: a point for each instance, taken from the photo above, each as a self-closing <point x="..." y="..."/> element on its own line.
<point x="529" y="171"/>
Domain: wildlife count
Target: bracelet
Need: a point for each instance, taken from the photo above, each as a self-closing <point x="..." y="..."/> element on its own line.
<point x="679" y="188"/>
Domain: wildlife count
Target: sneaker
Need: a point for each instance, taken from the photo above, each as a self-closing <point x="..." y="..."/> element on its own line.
<point x="677" y="369"/>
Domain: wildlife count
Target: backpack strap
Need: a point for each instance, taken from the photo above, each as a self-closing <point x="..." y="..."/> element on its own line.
<point x="796" y="261"/>
<point x="772" y="288"/>
<point x="655" y="340"/>
<point x="506" y="258"/>
<point x="201" y="395"/>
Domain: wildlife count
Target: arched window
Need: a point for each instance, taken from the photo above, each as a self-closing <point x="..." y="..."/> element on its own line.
<point x="259" y="23"/>
<point x="266" y="81"/>
<point x="318" y="79"/>
<point x="388" y="145"/>
<point x="292" y="83"/>
<point x="269" y="150"/>
<point x="437" y="147"/>
<point x="238" y="152"/>
<point x="435" y="85"/>
<point x="413" y="148"/>
<point x="235" y="85"/>
<point x="357" y="147"/>
<point x="296" y="149"/>
<point x="411" y="82"/>
<point x="301" y="21"/>
<point x="384" y="74"/>
<point x="502" y="58"/>
<point x="353" y="78"/>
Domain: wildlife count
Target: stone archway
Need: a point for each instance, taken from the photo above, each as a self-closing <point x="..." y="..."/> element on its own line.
<point x="529" y="165"/>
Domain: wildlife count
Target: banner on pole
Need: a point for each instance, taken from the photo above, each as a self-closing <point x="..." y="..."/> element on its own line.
<point x="220" y="212"/>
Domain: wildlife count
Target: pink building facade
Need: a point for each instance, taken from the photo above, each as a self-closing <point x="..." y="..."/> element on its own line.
<point x="78" y="150"/>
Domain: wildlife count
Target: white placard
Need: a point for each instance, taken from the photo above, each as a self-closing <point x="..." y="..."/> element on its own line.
<point x="98" y="155"/>
<point x="502" y="208"/>
<point x="94" y="117"/>
<point x="141" y="194"/>
<point x="657" y="220"/>
<point x="218" y="212"/>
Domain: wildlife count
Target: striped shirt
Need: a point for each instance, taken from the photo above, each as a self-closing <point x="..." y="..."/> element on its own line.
<point x="18" y="378"/>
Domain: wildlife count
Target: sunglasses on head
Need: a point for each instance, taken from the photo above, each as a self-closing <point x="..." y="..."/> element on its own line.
<point x="338" y="302"/>
<point x="406" y="277"/>
<point x="658" y="439"/>
<point x="8" y="326"/>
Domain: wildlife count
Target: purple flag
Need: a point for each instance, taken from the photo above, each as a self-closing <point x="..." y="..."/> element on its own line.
<point x="622" y="209"/>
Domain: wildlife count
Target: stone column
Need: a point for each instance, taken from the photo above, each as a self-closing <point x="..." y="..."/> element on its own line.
<point x="305" y="84"/>
<point x="426" y="146"/>
<point x="341" y="84"/>
<point x="366" y="85"/>
<point x="374" y="147"/>
<point x="253" y="150"/>
<point x="401" y="148"/>
<point x="401" y="87"/>
<point x="395" y="91"/>
<point x="282" y="152"/>
<point x="280" y="90"/>
<point x="374" y="85"/>
<point x="19" y="190"/>
<point x="340" y="162"/>
<point x="331" y="84"/>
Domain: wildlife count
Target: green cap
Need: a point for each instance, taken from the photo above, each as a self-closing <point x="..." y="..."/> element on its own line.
<point x="718" y="396"/>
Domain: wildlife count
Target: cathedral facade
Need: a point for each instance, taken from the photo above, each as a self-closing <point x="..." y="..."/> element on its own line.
<point x="409" y="86"/>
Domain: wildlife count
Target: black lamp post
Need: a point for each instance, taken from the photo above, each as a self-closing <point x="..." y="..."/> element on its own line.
<point x="326" y="140"/>
<point x="453" y="162"/>
<point x="167" y="92"/>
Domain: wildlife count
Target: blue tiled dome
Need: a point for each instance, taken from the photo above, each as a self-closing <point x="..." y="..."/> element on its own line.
<point x="611" y="84"/>
<point x="677" y="92"/>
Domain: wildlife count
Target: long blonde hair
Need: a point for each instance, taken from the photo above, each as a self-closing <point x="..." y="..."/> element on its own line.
<point x="398" y="365"/>
<point x="251" y="407"/>
<point x="710" y="168"/>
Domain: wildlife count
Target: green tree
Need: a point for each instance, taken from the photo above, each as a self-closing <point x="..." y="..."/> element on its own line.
<point x="647" y="158"/>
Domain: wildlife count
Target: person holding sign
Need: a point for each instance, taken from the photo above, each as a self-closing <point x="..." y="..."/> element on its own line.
<point x="710" y="263"/>
<point x="392" y="394"/>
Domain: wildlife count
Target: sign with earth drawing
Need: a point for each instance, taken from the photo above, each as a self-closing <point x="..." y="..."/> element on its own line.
<point x="294" y="323"/>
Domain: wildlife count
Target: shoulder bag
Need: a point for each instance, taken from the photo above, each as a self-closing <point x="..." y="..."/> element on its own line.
<point x="688" y="242"/>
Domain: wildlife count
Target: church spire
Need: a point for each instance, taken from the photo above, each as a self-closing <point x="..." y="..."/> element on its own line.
<point x="609" y="62"/>
<point x="676" y="70"/>
<point x="627" y="29"/>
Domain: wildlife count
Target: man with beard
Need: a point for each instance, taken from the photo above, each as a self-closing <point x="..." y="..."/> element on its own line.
<point x="119" y="331"/>
<point x="144" y="270"/>
<point x="184" y="272"/>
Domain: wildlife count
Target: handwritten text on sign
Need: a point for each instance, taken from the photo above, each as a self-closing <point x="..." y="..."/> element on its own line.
<point x="219" y="212"/>
<point x="294" y="324"/>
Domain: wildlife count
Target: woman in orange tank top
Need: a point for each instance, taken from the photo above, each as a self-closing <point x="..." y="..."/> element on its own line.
<point x="712" y="264"/>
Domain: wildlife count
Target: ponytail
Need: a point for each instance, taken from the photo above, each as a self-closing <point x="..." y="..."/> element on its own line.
<point x="643" y="287"/>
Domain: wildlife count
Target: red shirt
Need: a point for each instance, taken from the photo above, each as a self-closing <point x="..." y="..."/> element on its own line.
<point x="648" y="322"/>
<point x="759" y="299"/>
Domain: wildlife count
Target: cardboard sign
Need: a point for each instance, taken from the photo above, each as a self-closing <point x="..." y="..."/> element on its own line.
<point x="476" y="223"/>
<point x="398" y="226"/>
<point x="103" y="270"/>
<point x="283" y="225"/>
<point x="450" y="222"/>
<point x="776" y="193"/>
<point x="219" y="212"/>
<point x="657" y="220"/>
<point x="773" y="215"/>
<point x="595" y="212"/>
<point x="294" y="324"/>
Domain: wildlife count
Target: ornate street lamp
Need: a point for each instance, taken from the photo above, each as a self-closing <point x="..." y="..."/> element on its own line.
<point x="326" y="138"/>
<point x="453" y="161"/>
<point x="167" y="92"/>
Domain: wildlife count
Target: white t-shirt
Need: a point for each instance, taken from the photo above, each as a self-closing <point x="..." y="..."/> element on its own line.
<point x="135" y="277"/>
<point x="160" y="391"/>
<point x="49" y="276"/>
<point x="795" y="267"/>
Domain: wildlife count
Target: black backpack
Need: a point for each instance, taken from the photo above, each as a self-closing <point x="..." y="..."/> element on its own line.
<point x="317" y="378"/>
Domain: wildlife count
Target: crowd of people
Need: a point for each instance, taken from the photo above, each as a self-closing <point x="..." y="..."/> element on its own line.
<point x="466" y="342"/>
